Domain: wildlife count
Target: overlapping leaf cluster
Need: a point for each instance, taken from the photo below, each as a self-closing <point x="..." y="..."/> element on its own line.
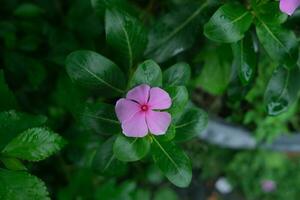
<point x="72" y="60"/>
<point x="251" y="30"/>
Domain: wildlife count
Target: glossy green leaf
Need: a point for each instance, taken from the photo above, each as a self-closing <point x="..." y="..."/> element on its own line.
<point x="101" y="118"/>
<point x="131" y="149"/>
<point x="105" y="161"/>
<point x="34" y="145"/>
<point x="282" y="90"/>
<point x="176" y="75"/>
<point x="269" y="12"/>
<point x="216" y="72"/>
<point x="179" y="96"/>
<point x="169" y="135"/>
<point x="175" y="32"/>
<point x="9" y="129"/>
<point x="12" y="164"/>
<point x="147" y="72"/>
<point x="228" y="24"/>
<point x="281" y="44"/>
<point x="173" y="162"/>
<point x="245" y="59"/>
<point x="126" y="35"/>
<point x="237" y="89"/>
<point x="91" y="70"/>
<point x="16" y="185"/>
<point x="190" y="123"/>
<point x="7" y="98"/>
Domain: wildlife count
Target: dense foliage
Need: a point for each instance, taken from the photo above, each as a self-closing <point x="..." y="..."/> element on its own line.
<point x="64" y="65"/>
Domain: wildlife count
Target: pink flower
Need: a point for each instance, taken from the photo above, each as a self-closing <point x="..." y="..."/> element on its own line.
<point x="289" y="6"/>
<point x="137" y="112"/>
<point x="268" y="185"/>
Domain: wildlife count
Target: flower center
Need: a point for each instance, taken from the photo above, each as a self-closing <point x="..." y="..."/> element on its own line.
<point x="144" y="107"/>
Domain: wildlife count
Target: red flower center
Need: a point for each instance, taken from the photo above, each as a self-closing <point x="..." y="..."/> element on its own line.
<point x="144" y="107"/>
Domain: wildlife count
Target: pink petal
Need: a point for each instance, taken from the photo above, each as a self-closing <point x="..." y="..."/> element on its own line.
<point x="125" y="109"/>
<point x="159" y="99"/>
<point x="136" y="126"/>
<point x="139" y="94"/>
<point x="289" y="6"/>
<point x="158" y="122"/>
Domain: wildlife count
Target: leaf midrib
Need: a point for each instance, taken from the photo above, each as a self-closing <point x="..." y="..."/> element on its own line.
<point x="274" y="37"/>
<point x="102" y="81"/>
<point x="102" y="118"/>
<point x="284" y="86"/>
<point x="185" y="124"/>
<point x="181" y="26"/>
<point x="127" y="42"/>
<point x="109" y="162"/>
<point x="231" y="22"/>
<point x="168" y="156"/>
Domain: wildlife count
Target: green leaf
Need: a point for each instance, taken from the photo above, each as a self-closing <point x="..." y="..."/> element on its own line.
<point x="105" y="161"/>
<point x="101" y="118"/>
<point x="147" y="73"/>
<point x="91" y="70"/>
<point x="228" y="24"/>
<point x="244" y="59"/>
<point x="28" y="10"/>
<point x="13" y="123"/>
<point x="280" y="44"/>
<point x="269" y="12"/>
<point x="13" y="164"/>
<point x="282" y="90"/>
<point x="7" y="98"/>
<point x="169" y="135"/>
<point x="173" y="162"/>
<point x="34" y="145"/>
<point x="175" y="32"/>
<point x="176" y="75"/>
<point x="16" y="185"/>
<point x="179" y="96"/>
<point x="190" y="123"/>
<point x="126" y="35"/>
<point x="215" y="75"/>
<point x="131" y="149"/>
<point x="237" y="89"/>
